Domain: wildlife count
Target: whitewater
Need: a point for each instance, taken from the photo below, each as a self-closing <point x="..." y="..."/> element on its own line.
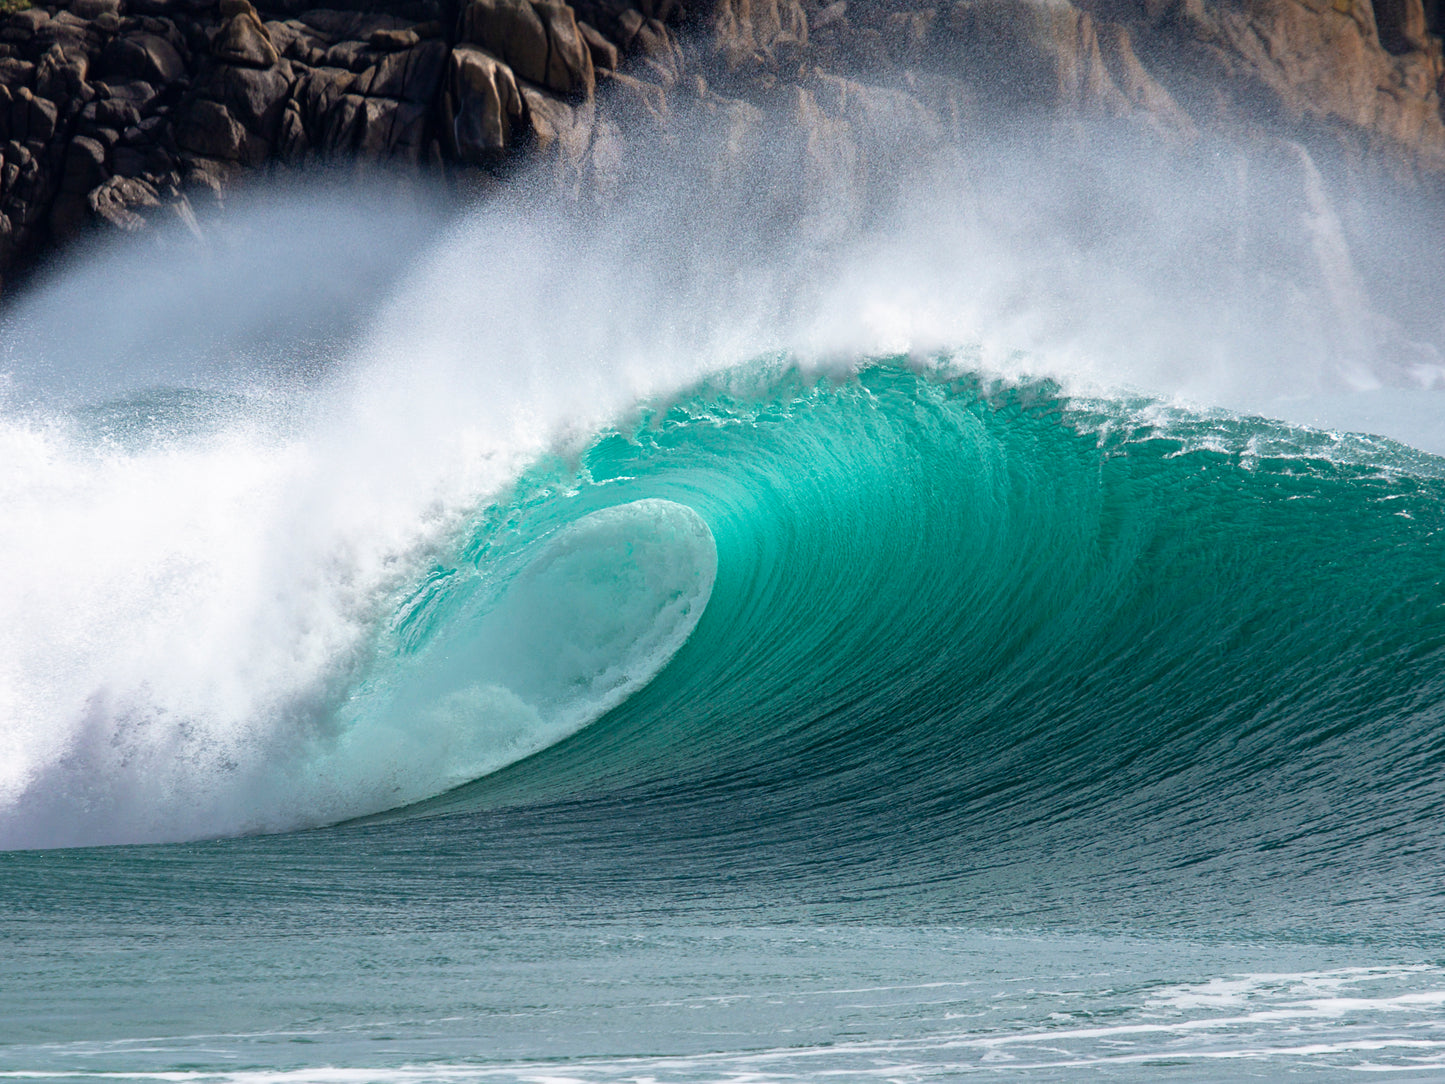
<point x="985" y="618"/>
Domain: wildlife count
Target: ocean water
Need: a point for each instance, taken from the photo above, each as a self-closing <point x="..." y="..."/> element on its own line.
<point x="498" y="680"/>
<point x="889" y="724"/>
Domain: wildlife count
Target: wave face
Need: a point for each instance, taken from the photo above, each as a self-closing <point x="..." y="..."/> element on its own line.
<point x="786" y="611"/>
<point x="961" y="626"/>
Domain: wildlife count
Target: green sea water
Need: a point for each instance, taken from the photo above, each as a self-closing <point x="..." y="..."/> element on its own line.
<point x="889" y="722"/>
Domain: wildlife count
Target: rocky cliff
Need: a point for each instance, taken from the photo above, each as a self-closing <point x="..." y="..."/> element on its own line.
<point x="114" y="113"/>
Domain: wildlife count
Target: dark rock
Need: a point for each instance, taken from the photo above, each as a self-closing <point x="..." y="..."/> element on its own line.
<point x="292" y="143"/>
<point x="1033" y="58"/>
<point x="63" y="30"/>
<point x="409" y="129"/>
<point x="106" y="137"/>
<point x="128" y="161"/>
<point x="208" y="84"/>
<point x="205" y="179"/>
<point x="541" y="42"/>
<point x="113" y="200"/>
<point x="378" y="128"/>
<point x="743" y="31"/>
<point x="31" y="117"/>
<point x="483" y="110"/>
<point x="28" y="21"/>
<point x="638" y="101"/>
<point x="354" y="56"/>
<point x="413" y="76"/>
<point x="350" y="25"/>
<point x="512" y="31"/>
<point x="165" y="28"/>
<point x="604" y="53"/>
<point x="61" y="75"/>
<point x="1402" y="25"/>
<point x="83" y="170"/>
<point x="18" y="120"/>
<point x="253" y="96"/>
<point x="94" y="9"/>
<point x="15" y="73"/>
<point x="148" y="57"/>
<point x="209" y="130"/>
<point x="560" y="131"/>
<point x="137" y="92"/>
<point x="44" y="115"/>
<point x="569" y="60"/>
<point x="337" y="132"/>
<point x="317" y="91"/>
<point x="243" y="40"/>
<point x="293" y="39"/>
<point x="393" y="40"/>
<point x="115" y="113"/>
<point x="660" y="53"/>
<point x="628" y="24"/>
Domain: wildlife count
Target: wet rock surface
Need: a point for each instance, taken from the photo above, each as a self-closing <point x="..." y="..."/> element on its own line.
<point x="117" y="113"/>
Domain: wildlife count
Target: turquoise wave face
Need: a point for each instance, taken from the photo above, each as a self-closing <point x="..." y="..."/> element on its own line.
<point x="957" y="626"/>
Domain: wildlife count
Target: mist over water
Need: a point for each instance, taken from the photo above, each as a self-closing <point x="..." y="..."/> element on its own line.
<point x="229" y="460"/>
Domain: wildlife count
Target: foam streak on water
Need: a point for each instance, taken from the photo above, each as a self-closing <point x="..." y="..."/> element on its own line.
<point x="807" y="1003"/>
